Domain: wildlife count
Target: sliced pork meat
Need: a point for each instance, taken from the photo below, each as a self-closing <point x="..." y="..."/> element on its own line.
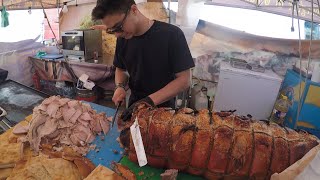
<point x="54" y="134"/>
<point x="65" y="121"/>
<point x="20" y="129"/>
<point x="63" y="101"/>
<point x="33" y="137"/>
<point x="104" y="125"/>
<point x="83" y="122"/>
<point x="41" y="107"/>
<point x="52" y="108"/>
<point x="73" y="103"/>
<point x="67" y="113"/>
<point x="50" y="100"/>
<point x="76" y="116"/>
<point x="86" y="108"/>
<point x="86" y="116"/>
<point x="95" y="125"/>
<point x="49" y="127"/>
<point x="110" y="118"/>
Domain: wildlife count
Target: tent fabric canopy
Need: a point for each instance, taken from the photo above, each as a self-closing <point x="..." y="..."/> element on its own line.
<point x="25" y="4"/>
<point x="36" y="4"/>
<point x="48" y="4"/>
<point x="280" y="7"/>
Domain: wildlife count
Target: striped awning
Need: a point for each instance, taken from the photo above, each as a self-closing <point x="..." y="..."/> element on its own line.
<point x="39" y="4"/>
<point x="26" y="4"/>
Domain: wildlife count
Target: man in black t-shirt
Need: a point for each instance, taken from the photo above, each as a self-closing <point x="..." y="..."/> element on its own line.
<point x="155" y="55"/>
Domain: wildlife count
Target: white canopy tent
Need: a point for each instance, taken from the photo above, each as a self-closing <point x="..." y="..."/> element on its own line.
<point x="280" y="7"/>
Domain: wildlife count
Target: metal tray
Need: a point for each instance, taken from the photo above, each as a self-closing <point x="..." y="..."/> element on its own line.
<point x="19" y="100"/>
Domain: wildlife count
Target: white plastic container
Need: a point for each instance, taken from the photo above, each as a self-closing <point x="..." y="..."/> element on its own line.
<point x="316" y="73"/>
<point x="246" y="91"/>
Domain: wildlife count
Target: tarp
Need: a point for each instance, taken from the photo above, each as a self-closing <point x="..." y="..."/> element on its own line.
<point x="14" y="58"/>
<point x="36" y="4"/>
<point x="47" y="4"/>
<point x="213" y="43"/>
<point x="280" y="7"/>
<point x="57" y="70"/>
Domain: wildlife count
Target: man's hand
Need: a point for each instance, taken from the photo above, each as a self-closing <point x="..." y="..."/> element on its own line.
<point x="119" y="95"/>
<point x="126" y="114"/>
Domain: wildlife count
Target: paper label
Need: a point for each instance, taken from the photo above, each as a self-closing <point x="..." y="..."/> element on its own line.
<point x="84" y="77"/>
<point x="88" y="85"/>
<point x="138" y="144"/>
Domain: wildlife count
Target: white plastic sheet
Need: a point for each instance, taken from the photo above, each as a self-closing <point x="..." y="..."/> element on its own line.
<point x="14" y="59"/>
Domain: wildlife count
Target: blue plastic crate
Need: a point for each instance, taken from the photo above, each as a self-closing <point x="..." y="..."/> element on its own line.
<point x="309" y="117"/>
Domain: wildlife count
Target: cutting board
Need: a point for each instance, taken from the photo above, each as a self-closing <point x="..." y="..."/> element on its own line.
<point x="107" y="147"/>
<point x="106" y="155"/>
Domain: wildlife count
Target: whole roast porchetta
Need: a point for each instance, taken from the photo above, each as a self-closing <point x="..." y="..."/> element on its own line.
<point x="224" y="146"/>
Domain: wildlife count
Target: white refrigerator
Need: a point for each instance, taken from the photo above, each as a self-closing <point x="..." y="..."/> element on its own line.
<point x="246" y="91"/>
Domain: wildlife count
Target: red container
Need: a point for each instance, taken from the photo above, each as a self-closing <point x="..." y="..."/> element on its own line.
<point x="36" y="80"/>
<point x="86" y="95"/>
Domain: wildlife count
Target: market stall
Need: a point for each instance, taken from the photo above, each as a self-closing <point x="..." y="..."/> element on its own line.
<point x="251" y="111"/>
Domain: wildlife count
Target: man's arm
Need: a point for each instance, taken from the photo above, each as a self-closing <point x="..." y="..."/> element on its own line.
<point x="120" y="80"/>
<point x="121" y="76"/>
<point x="179" y="84"/>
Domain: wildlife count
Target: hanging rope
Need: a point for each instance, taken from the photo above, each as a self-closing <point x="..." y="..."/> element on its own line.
<point x="300" y="62"/>
<point x="46" y="17"/>
<point x="310" y="43"/>
<point x="309" y="55"/>
<point x="292" y="17"/>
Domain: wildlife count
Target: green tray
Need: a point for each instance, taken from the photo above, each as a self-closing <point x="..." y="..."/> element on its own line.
<point x="152" y="173"/>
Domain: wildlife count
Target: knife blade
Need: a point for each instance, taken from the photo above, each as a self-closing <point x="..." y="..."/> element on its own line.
<point x="115" y="114"/>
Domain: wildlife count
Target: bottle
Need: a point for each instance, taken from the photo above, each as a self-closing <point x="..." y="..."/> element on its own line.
<point x="198" y="98"/>
<point x="281" y="108"/>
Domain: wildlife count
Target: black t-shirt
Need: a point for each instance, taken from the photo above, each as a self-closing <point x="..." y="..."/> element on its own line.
<point x="153" y="58"/>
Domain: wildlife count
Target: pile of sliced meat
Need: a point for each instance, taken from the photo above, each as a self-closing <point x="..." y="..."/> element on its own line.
<point x="63" y="121"/>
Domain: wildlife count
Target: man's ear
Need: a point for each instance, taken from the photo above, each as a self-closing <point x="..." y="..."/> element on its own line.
<point x="134" y="9"/>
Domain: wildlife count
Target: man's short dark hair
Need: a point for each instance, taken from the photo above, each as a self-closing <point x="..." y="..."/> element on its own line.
<point x="110" y="7"/>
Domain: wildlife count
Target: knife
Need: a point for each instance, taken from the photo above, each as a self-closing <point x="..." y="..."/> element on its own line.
<point x="115" y="114"/>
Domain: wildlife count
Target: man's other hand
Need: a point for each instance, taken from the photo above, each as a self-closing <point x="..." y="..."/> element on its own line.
<point x="126" y="114"/>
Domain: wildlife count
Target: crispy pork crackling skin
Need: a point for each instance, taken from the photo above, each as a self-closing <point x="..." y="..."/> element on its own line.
<point x="229" y="147"/>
